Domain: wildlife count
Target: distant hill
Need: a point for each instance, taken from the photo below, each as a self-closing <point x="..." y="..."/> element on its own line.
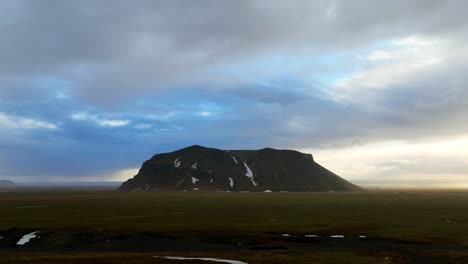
<point x="6" y="183"/>
<point x="198" y="168"/>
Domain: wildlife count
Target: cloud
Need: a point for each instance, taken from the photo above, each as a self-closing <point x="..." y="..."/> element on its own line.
<point x="14" y="122"/>
<point x="419" y="93"/>
<point x="204" y="113"/>
<point x="411" y="58"/>
<point x="143" y="126"/>
<point x="100" y="121"/>
<point x="113" y="53"/>
<point x="112" y="123"/>
<point x="241" y="74"/>
<point x="428" y="163"/>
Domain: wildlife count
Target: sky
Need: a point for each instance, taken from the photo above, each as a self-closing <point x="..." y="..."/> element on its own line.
<point x="375" y="90"/>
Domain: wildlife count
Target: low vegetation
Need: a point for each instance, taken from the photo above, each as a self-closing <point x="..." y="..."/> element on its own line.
<point x="433" y="223"/>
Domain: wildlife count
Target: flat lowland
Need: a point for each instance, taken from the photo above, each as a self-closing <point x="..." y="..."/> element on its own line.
<point x="105" y="226"/>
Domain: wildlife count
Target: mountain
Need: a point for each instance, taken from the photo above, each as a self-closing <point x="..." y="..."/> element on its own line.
<point x="6" y="183"/>
<point x="207" y="169"/>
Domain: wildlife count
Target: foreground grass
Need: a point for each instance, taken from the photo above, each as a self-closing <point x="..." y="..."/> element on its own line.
<point x="436" y="216"/>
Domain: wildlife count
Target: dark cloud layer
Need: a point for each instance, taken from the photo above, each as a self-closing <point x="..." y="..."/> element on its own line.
<point x="90" y="87"/>
<point x="114" y="48"/>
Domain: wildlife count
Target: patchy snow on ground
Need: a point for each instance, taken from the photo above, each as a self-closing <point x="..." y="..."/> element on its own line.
<point x="196" y="189"/>
<point x="235" y="160"/>
<point x="337" y="236"/>
<point x="311" y="236"/>
<point x="231" y="182"/>
<point x="194" y="166"/>
<point x="26" y="238"/>
<point x="249" y="174"/>
<point x="285" y="235"/>
<point x="361" y="236"/>
<point x="180" y="182"/>
<point x="229" y="261"/>
<point x="177" y="162"/>
<point x="1" y="237"/>
<point x="268" y="191"/>
<point x="194" y="180"/>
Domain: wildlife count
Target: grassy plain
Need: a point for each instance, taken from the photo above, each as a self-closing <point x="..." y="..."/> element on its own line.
<point x="435" y="218"/>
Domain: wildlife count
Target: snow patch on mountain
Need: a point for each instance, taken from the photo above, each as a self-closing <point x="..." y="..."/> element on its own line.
<point x="180" y="182"/>
<point x="177" y="162"/>
<point x="235" y="160"/>
<point x="249" y="174"/>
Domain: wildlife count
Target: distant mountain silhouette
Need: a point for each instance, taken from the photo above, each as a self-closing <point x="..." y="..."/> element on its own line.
<point x="6" y="183"/>
<point x="198" y="168"/>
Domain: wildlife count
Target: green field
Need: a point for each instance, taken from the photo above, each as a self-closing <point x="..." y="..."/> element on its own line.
<point x="435" y="223"/>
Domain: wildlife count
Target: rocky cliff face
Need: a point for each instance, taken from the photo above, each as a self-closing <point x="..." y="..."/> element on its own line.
<point x="197" y="168"/>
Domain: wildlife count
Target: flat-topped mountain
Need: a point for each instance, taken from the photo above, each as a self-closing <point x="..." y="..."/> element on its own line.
<point x="198" y="168"/>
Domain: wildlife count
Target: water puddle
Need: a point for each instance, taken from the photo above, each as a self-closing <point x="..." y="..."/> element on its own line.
<point x="204" y="259"/>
